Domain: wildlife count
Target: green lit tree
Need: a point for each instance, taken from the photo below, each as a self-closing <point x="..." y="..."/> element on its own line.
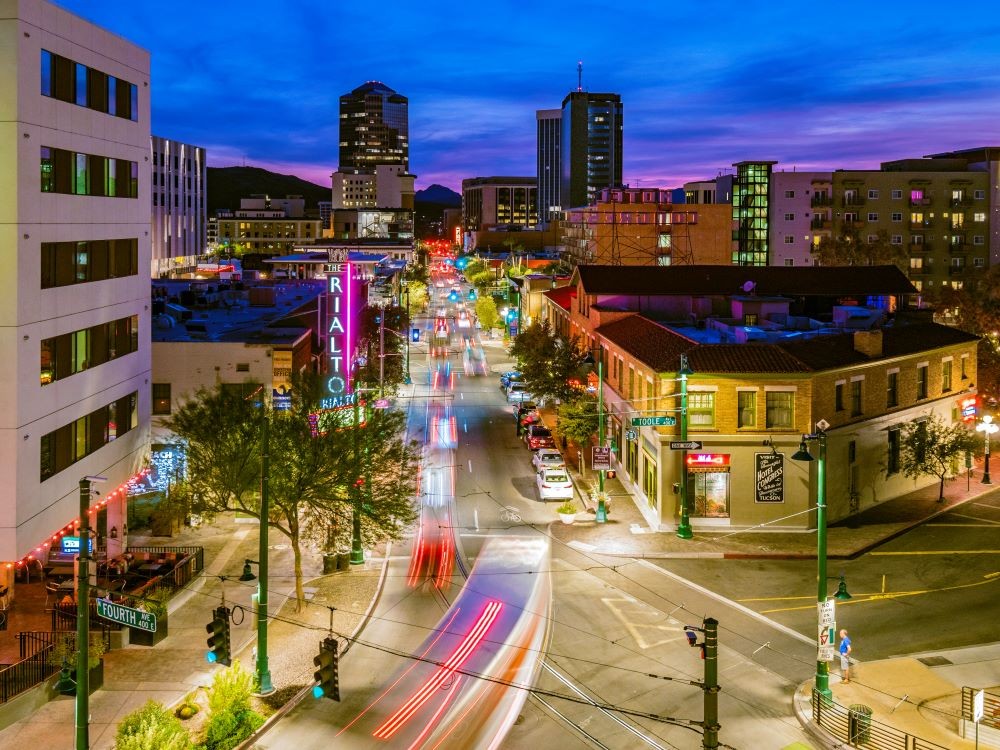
<point x="547" y="362"/>
<point x="848" y="249"/>
<point x="486" y="311"/>
<point x="932" y="447"/>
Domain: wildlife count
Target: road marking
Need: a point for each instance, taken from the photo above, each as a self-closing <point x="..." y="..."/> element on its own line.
<point x="985" y="505"/>
<point x="985" y="525"/>
<point x="976" y="518"/>
<point x="735" y="605"/>
<point x="939" y="552"/>
<point x="631" y="611"/>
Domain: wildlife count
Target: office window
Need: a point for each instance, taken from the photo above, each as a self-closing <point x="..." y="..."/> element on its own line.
<point x="780" y="408"/>
<point x="921" y="382"/>
<point x="68" y="444"/>
<point x="746" y="414"/>
<point x="70" y="353"/>
<point x="74" y="173"/>
<point x="838" y="397"/>
<point x="701" y="409"/>
<point x="161" y="398"/>
<point x="892" y="454"/>
<point x="946" y="375"/>
<point x="892" y="390"/>
<point x="856" y="386"/>
<point x="75" y="83"/>
<point x="67" y="263"/>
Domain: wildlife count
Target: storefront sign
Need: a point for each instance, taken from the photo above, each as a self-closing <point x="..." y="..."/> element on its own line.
<point x="709" y="460"/>
<point x="601" y="458"/>
<point x="71" y="545"/>
<point x="281" y="379"/>
<point x="339" y="329"/>
<point x="968" y="408"/>
<point x="769" y="477"/>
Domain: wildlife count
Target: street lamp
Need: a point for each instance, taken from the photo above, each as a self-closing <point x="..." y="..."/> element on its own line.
<point x="602" y="511"/>
<point x="684" y="530"/>
<point x="987" y="427"/>
<point x="82" y="701"/>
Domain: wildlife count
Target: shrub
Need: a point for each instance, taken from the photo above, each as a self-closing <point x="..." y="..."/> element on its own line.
<point x="186" y="710"/>
<point x="151" y="728"/>
<point x="230" y="718"/>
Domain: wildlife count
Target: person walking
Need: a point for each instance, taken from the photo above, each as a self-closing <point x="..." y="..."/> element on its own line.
<point x="845" y="656"/>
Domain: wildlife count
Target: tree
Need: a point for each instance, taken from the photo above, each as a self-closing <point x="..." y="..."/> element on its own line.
<point x="313" y="471"/>
<point x="418" y="295"/>
<point x="486" y="311"/>
<point x="483" y="279"/>
<point x="374" y="342"/>
<point x="931" y="447"/>
<point x="975" y="308"/>
<point x="848" y="249"/>
<point x="547" y="361"/>
<point x="578" y="421"/>
<point x="474" y="267"/>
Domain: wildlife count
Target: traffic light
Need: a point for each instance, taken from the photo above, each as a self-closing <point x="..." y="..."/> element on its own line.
<point x="218" y="638"/>
<point x="691" y="632"/>
<point x="415" y="335"/>
<point x="327" y="678"/>
<point x="472" y="294"/>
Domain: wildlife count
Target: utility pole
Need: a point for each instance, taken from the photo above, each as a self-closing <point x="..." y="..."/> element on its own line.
<point x="381" y="352"/>
<point x="710" y="739"/>
<point x="264" y="685"/>
<point x="684" y="530"/>
<point x="82" y="707"/>
<point x="602" y="511"/>
<point x="408" y="325"/>
<point x="357" y="552"/>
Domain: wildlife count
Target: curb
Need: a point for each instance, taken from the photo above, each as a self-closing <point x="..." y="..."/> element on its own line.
<point x="802" y="706"/>
<point x="278" y="715"/>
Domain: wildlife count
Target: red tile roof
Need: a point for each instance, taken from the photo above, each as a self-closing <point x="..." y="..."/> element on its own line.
<point x="562" y="296"/>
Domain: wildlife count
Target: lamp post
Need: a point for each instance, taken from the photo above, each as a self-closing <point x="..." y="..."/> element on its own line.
<point x="602" y="511"/>
<point x="264" y="685"/>
<point x="987" y="427"/>
<point x="357" y="552"/>
<point x="82" y="705"/>
<point x="684" y="530"/>
<point x="408" y="324"/>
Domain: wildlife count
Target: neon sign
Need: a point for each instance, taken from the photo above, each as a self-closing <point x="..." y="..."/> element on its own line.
<point x="339" y="329"/>
<point x="708" y="459"/>
<point x="968" y="408"/>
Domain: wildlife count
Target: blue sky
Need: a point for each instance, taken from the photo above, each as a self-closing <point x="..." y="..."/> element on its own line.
<point x="704" y="84"/>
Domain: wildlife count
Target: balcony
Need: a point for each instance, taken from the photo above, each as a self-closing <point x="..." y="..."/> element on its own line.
<point x="920" y="226"/>
<point x="958" y="247"/>
<point x="820" y="224"/>
<point x="821" y="199"/>
<point x="925" y="201"/>
<point x="963" y="201"/>
<point x="852" y="200"/>
<point x="956" y="270"/>
<point x="923" y="271"/>
<point x="921" y="247"/>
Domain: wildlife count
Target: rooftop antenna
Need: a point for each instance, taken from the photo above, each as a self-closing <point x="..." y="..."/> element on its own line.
<point x="579" y="75"/>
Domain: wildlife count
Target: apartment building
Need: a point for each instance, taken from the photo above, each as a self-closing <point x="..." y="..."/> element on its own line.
<point x="488" y="202"/>
<point x="791" y="347"/>
<point x="633" y="226"/>
<point x="798" y="200"/>
<point x="180" y="218"/>
<point x="265" y="225"/>
<point x="74" y="99"/>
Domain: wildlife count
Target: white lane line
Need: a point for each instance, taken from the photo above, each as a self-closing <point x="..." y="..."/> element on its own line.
<point x="470" y="465"/>
<point x="976" y="518"/>
<point x="718" y="597"/>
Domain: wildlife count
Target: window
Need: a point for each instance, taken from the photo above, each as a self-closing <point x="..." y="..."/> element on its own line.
<point x="965" y="361"/>
<point x="65" y="446"/>
<point x="649" y="479"/>
<point x="789" y="193"/>
<point x="789" y="240"/>
<point x="67" y="263"/>
<point x="921" y="382"/>
<point x="892" y="390"/>
<point x="873" y="194"/>
<point x="916" y="239"/>
<point x="780" y="408"/>
<point x="789" y="217"/>
<point x="872" y="216"/>
<point x="161" y="398"/>
<point x="701" y="409"/>
<point x="916" y="263"/>
<point x="746" y="415"/>
<point x="838" y="396"/>
<point x="70" y="353"/>
<point x="856" y="386"/>
<point x="979" y="194"/>
<point x="69" y="81"/>
<point x="979" y="217"/>
<point x="872" y="239"/>
<point x="979" y="262"/>
<point x="978" y="239"/>
<point x="896" y="239"/>
<point x="789" y="261"/>
<point x="896" y="194"/>
<point x="892" y="455"/>
<point x="920" y="444"/>
<point x="946" y="376"/>
<point x="72" y="173"/>
<point x="897" y="216"/>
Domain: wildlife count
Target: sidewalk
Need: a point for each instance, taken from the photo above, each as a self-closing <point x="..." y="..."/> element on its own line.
<point x="176" y="666"/>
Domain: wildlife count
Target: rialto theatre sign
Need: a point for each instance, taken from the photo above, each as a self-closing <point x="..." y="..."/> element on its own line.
<point x="341" y="299"/>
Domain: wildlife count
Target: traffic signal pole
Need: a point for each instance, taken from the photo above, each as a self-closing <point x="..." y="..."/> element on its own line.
<point x="82" y="707"/>
<point x="710" y="738"/>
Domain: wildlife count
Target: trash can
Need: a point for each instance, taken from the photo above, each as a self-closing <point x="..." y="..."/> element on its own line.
<point x="859" y="724"/>
<point x="343" y="561"/>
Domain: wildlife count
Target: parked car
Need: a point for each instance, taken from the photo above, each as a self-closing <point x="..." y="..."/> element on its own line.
<point x="507" y="378"/>
<point x="547" y="458"/>
<point x="538" y="436"/>
<point x="522" y="407"/>
<point x="517" y="392"/>
<point x="530" y="417"/>
<point x="554" y="484"/>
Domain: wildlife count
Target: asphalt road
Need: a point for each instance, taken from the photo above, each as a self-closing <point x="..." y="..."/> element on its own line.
<point x="935" y="587"/>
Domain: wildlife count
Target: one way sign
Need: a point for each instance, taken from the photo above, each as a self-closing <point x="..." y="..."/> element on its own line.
<point x="689" y="445"/>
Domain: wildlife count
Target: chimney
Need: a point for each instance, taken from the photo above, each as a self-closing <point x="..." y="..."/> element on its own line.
<point x="868" y="343"/>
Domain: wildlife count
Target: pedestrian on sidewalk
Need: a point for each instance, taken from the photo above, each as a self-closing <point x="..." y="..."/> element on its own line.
<point x="845" y="656"/>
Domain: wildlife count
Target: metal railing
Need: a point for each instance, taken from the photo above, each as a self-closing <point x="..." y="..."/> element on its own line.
<point x="32" y="642"/>
<point x="198" y="552"/>
<point x="25" y="674"/>
<point x="858" y="729"/>
<point x="64" y="618"/>
<point x="991" y="707"/>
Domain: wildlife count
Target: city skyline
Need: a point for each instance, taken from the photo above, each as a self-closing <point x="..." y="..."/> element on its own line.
<point x="901" y="80"/>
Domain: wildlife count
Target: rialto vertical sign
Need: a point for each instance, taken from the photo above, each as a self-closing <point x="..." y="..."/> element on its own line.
<point x="339" y="330"/>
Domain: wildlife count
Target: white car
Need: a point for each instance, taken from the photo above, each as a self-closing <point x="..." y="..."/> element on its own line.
<point x="554" y="484"/>
<point x="517" y="392"/>
<point x="546" y="458"/>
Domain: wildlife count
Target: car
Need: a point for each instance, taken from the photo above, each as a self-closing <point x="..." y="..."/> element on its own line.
<point x="547" y="458"/>
<point x="517" y="392"/>
<point x="508" y="377"/>
<point x="521" y="408"/>
<point x="554" y="484"/>
<point x="532" y="416"/>
<point x="539" y="436"/>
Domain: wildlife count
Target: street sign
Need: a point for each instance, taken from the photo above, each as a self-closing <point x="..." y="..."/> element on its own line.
<point x="689" y="445"/>
<point x="135" y="618"/>
<point x="827" y="613"/>
<point x="600" y="459"/>
<point x="825" y="653"/>
<point x="631" y="435"/>
<point x="654" y="421"/>
<point x="978" y="706"/>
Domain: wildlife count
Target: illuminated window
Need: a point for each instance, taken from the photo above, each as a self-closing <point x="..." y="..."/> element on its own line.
<point x="746" y="413"/>
<point x="701" y="409"/>
<point x="780" y="410"/>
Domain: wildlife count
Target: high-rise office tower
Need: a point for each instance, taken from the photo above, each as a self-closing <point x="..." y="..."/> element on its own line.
<point x="75" y="297"/>
<point x="374" y="129"/>
<point x="180" y="186"/>
<point x="549" y="125"/>
<point x="590" y="146"/>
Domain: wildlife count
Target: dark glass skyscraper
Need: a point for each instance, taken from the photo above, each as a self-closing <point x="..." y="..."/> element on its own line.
<point x="549" y="124"/>
<point x="590" y="146"/>
<point x="374" y="128"/>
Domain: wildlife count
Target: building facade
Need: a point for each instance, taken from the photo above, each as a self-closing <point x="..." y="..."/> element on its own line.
<point x="590" y="147"/>
<point x="499" y="201"/>
<point x="374" y="128"/>
<point x="797" y="204"/>
<point x="260" y="230"/>
<point x="387" y="186"/>
<point x="179" y="224"/>
<point x="632" y="226"/>
<point x="548" y="123"/>
<point x="751" y="213"/>
<point x="75" y="101"/>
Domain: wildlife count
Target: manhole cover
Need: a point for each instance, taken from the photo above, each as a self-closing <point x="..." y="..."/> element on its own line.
<point x="935" y="661"/>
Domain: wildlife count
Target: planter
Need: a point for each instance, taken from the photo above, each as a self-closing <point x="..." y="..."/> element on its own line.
<point x="95" y="680"/>
<point x="138" y="637"/>
<point x="567" y="517"/>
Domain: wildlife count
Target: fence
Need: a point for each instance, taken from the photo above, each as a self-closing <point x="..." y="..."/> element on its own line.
<point x="858" y="729"/>
<point x="64" y="618"/>
<point x="991" y="707"/>
<point x="25" y="674"/>
<point x="33" y="642"/>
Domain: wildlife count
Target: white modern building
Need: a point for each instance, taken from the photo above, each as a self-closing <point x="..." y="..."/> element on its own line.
<point x="179" y="193"/>
<point x="389" y="186"/>
<point x="74" y="310"/>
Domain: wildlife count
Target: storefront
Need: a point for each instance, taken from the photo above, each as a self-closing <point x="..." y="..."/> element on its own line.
<point x="708" y="484"/>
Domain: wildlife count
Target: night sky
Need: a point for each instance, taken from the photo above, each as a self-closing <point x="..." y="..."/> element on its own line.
<point x="704" y="84"/>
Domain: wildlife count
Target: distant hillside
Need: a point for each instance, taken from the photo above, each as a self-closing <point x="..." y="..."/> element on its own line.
<point x="226" y="185"/>
<point x="438" y="194"/>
